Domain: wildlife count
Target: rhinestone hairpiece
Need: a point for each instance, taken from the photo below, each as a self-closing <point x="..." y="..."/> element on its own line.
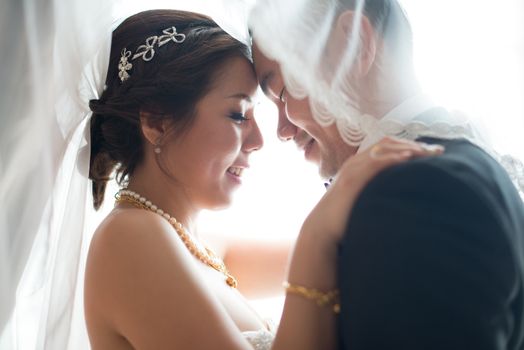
<point x="147" y="51"/>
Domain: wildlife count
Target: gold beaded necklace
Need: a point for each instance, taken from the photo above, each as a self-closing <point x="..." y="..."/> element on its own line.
<point x="204" y="254"/>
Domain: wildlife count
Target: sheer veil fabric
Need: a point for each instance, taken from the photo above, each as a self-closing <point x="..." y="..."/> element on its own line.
<point x="44" y="157"/>
<point x="298" y="34"/>
<point x="54" y="60"/>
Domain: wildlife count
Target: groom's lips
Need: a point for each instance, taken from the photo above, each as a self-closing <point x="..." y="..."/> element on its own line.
<point x="305" y="143"/>
<point x="307" y="149"/>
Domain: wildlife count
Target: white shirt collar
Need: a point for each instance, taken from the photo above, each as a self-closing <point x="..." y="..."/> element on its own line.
<point x="409" y="110"/>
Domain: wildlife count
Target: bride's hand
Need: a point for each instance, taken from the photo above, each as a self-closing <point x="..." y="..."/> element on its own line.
<point x="330" y="215"/>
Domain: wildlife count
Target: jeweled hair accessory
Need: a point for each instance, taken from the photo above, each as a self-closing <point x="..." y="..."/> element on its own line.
<point x="147" y="51"/>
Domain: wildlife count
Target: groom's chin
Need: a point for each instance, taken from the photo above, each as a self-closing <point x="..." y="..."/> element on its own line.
<point x="326" y="170"/>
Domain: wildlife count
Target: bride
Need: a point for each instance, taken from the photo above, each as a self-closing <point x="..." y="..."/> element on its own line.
<point x="176" y="123"/>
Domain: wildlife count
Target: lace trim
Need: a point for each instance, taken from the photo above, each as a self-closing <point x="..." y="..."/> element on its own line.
<point x="513" y="166"/>
<point x="515" y="170"/>
<point x="460" y="128"/>
<point x="416" y="129"/>
<point x="260" y="340"/>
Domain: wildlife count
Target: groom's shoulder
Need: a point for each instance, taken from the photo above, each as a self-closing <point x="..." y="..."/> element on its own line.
<point x="464" y="170"/>
<point x="463" y="186"/>
<point x="462" y="155"/>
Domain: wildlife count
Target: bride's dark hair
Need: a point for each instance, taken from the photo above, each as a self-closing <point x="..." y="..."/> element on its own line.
<point x="168" y="86"/>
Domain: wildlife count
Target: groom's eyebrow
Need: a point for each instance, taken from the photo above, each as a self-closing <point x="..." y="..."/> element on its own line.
<point x="265" y="81"/>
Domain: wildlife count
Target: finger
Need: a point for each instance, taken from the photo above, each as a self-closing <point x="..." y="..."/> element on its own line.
<point x="389" y="160"/>
<point x="427" y="150"/>
<point x="417" y="148"/>
<point x="432" y="147"/>
<point x="393" y="158"/>
<point x="394" y="141"/>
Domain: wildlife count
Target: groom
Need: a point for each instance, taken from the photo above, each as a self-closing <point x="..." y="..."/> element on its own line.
<point x="433" y="255"/>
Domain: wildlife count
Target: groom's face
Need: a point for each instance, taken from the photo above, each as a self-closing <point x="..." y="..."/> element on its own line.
<point x="320" y="145"/>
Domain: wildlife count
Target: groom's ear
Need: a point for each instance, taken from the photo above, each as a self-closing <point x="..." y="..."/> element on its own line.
<point x="350" y="23"/>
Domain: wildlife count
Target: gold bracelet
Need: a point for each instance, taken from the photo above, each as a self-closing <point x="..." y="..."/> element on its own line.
<point x="321" y="298"/>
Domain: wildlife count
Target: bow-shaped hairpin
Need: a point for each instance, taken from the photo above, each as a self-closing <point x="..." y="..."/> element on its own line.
<point x="170" y="34"/>
<point x="147" y="51"/>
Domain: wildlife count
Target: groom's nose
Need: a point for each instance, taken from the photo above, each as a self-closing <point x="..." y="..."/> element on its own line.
<point x="286" y="130"/>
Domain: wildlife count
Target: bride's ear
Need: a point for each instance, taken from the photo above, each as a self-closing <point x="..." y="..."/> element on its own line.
<point x="366" y="45"/>
<point x="153" y="129"/>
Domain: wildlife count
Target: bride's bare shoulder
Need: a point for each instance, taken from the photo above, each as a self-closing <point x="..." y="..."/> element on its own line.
<point x="139" y="280"/>
<point x="131" y="239"/>
<point x="120" y="218"/>
<point x="125" y="226"/>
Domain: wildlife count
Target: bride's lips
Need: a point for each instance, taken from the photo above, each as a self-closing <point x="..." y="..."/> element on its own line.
<point x="235" y="173"/>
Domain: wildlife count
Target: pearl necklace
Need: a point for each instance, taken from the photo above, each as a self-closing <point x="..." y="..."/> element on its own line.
<point x="204" y="254"/>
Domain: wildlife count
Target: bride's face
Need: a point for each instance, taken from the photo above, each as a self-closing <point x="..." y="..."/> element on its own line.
<point x="208" y="159"/>
<point x="321" y="145"/>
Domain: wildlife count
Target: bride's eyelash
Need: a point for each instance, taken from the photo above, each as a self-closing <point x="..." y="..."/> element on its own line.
<point x="239" y="118"/>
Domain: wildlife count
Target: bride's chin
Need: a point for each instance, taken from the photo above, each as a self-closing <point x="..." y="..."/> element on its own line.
<point x="220" y="202"/>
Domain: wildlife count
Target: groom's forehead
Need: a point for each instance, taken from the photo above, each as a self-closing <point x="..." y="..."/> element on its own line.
<point x="265" y="80"/>
<point x="266" y="69"/>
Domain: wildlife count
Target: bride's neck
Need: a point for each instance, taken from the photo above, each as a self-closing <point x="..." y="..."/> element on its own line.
<point x="165" y="194"/>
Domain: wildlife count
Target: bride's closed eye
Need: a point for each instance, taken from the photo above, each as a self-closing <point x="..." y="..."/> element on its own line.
<point x="238" y="118"/>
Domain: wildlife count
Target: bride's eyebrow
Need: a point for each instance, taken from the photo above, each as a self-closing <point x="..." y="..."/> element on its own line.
<point x="241" y="96"/>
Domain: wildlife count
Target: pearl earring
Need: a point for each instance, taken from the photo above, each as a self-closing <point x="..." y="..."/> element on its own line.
<point x="158" y="150"/>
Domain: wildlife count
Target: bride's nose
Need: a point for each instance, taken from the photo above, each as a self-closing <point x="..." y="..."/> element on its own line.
<point x="254" y="140"/>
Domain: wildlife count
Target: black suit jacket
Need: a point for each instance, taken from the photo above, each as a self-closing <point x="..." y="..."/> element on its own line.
<point x="433" y="257"/>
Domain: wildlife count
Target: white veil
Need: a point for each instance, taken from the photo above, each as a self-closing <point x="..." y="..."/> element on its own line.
<point x="44" y="162"/>
<point x="54" y="60"/>
<point x="298" y="35"/>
